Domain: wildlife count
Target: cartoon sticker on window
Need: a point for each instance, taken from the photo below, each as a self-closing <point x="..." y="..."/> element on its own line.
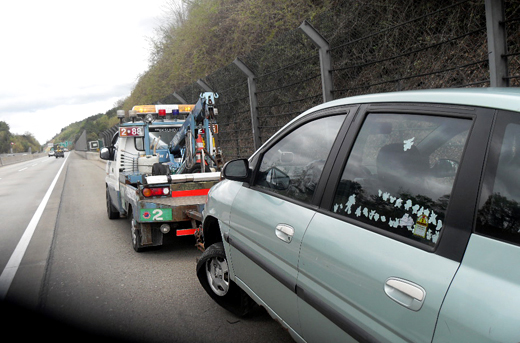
<point x="351" y="201"/>
<point x="406" y="221"/>
<point x="416" y="219"/>
<point x="421" y="226"/>
<point x="408" y="144"/>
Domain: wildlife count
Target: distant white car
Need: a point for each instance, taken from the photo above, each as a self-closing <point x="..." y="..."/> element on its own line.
<point x="51" y="153"/>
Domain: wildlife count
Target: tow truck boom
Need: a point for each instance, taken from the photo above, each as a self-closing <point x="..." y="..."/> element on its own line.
<point x="200" y="120"/>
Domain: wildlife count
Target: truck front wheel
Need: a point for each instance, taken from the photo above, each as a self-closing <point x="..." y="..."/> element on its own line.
<point x="112" y="212"/>
<point x="213" y="275"/>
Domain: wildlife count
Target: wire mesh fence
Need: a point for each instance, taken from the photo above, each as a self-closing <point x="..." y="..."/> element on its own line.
<point x="375" y="46"/>
<point x="428" y="45"/>
<point x="512" y="26"/>
<point x="288" y="80"/>
<point x="234" y="119"/>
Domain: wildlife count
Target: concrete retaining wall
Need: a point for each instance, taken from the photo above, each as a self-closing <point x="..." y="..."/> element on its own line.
<point x="89" y="155"/>
<point x="5" y="160"/>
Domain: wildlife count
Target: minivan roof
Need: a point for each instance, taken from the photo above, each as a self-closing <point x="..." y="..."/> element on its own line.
<point x="494" y="97"/>
<point x="504" y="98"/>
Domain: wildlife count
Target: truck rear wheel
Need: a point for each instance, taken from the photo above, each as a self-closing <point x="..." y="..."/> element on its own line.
<point x="213" y="275"/>
<point x="112" y="212"/>
<point x="135" y="232"/>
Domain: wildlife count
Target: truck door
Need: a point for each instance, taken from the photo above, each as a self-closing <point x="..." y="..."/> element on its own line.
<point x="112" y="170"/>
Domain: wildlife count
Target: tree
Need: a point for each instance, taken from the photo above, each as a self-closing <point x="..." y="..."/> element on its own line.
<point x="5" y="137"/>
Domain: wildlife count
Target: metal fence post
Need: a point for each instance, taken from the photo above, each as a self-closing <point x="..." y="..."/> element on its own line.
<point x="253" y="101"/>
<point x="180" y="98"/>
<point x="497" y="48"/>
<point x="204" y="85"/>
<point x="325" y="60"/>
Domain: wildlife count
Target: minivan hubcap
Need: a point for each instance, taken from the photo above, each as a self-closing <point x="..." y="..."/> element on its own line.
<point x="217" y="272"/>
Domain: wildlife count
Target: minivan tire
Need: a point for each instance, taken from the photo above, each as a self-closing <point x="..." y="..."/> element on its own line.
<point x="213" y="275"/>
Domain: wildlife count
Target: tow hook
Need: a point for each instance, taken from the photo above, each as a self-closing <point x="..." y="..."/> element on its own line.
<point x="199" y="239"/>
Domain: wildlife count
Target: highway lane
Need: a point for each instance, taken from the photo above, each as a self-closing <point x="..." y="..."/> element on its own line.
<point x="22" y="187"/>
<point x="81" y="270"/>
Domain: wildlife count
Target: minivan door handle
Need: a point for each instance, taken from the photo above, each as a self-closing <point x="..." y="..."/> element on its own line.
<point x="405" y="293"/>
<point x="284" y="232"/>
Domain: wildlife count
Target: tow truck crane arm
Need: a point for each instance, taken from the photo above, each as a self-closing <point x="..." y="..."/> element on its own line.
<point x="199" y="117"/>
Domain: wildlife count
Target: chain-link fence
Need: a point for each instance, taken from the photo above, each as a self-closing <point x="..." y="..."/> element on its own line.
<point x="430" y="44"/>
<point x="234" y="119"/>
<point x="512" y="26"/>
<point x="288" y="80"/>
<point x="374" y="46"/>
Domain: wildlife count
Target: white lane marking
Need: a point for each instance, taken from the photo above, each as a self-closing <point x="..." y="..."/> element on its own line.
<point x="23" y="169"/>
<point x="32" y="165"/>
<point x="7" y="276"/>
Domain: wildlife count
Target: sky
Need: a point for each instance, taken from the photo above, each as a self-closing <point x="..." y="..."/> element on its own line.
<point x="62" y="61"/>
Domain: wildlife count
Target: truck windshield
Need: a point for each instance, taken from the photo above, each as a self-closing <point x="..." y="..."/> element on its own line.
<point x="160" y="136"/>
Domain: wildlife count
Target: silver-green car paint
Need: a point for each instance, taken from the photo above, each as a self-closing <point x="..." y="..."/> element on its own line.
<point x="483" y="300"/>
<point x="337" y="266"/>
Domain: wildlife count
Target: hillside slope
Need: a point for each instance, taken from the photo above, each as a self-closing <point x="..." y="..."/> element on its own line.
<point x="205" y="35"/>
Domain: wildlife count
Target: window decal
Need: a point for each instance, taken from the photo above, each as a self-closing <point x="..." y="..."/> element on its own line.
<point x="418" y="221"/>
<point x="421" y="226"/>
<point x="408" y="143"/>
<point x="406" y="221"/>
<point x="400" y="173"/>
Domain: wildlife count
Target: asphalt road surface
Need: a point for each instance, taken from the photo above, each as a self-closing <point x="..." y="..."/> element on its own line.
<point x="22" y="188"/>
<point x="80" y="279"/>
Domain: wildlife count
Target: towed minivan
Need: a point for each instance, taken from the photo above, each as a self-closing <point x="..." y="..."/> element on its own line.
<point x="390" y="217"/>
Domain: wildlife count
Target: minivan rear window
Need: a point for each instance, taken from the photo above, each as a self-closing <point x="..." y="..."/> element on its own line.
<point x="400" y="173"/>
<point x="499" y="211"/>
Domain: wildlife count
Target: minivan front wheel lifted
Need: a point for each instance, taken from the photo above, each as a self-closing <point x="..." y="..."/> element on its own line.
<point x="213" y="274"/>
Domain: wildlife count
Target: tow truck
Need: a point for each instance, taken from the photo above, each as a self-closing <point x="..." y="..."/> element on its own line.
<point x="58" y="152"/>
<point x="160" y="166"/>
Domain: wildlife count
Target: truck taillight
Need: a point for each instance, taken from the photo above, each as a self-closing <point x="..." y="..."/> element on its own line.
<point x="158" y="191"/>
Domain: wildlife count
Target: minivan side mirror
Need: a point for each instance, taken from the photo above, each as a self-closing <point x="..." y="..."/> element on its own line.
<point x="237" y="170"/>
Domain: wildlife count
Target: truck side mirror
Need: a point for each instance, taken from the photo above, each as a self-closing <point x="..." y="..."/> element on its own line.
<point x="237" y="170"/>
<point x="107" y="153"/>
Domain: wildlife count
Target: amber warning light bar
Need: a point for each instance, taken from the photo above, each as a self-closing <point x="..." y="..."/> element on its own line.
<point x="162" y="110"/>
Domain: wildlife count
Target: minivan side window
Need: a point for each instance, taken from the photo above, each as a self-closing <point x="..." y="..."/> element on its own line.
<point x="400" y="173"/>
<point x="293" y="166"/>
<point x="499" y="210"/>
